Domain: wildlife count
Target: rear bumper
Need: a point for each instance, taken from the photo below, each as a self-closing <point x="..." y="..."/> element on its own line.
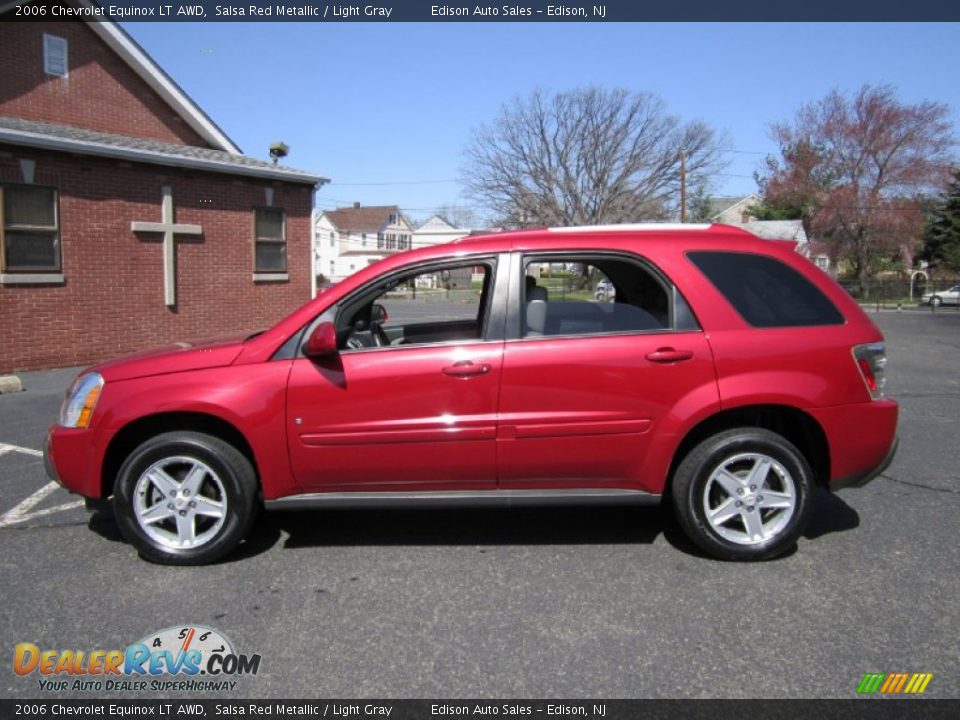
<point x="862" y="439"/>
<point x="862" y="478"/>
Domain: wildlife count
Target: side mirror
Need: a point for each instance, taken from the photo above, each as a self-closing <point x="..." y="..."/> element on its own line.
<point x="378" y="314"/>
<point x="322" y="342"/>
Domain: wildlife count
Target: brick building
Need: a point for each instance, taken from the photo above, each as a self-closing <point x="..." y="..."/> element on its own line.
<point x="128" y="219"/>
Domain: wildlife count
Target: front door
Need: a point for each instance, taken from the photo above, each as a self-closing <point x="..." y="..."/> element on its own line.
<point x="410" y="402"/>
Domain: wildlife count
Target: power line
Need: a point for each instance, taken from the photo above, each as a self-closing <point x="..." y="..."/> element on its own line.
<point x="394" y="182"/>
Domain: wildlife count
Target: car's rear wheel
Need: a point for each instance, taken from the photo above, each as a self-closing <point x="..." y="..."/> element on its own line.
<point x="185" y="498"/>
<point x="936" y="301"/>
<point x="743" y="494"/>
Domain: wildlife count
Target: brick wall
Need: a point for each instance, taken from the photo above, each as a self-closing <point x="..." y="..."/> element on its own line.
<point x="101" y="92"/>
<point x="112" y="301"/>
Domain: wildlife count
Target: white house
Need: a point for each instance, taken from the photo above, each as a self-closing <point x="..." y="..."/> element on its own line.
<point x="348" y="239"/>
<point x="732" y="210"/>
<point x="436" y="231"/>
<point x="736" y="211"/>
<point x="790" y="230"/>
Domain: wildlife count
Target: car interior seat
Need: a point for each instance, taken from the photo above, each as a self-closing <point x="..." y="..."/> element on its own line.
<point x="536" y="310"/>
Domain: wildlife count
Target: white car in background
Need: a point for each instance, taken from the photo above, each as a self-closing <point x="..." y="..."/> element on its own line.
<point x="942" y="297"/>
<point x="605" y="292"/>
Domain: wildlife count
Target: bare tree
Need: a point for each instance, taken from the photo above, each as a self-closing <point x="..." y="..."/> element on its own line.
<point x="585" y="157"/>
<point x="459" y="216"/>
<point x="856" y="169"/>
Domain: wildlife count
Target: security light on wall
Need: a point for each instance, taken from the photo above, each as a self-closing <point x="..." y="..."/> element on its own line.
<point x="278" y="150"/>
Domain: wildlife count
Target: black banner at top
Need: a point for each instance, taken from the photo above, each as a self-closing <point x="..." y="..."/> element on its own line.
<point x="462" y="11"/>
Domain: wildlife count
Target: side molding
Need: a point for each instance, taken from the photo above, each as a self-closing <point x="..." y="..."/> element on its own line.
<point x="463" y="498"/>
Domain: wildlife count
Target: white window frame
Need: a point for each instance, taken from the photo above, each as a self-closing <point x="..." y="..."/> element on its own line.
<point x="33" y="275"/>
<point x="53" y="44"/>
<point x="260" y="275"/>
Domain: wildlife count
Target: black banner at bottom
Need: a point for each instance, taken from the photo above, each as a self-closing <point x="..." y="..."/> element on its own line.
<point x="868" y="708"/>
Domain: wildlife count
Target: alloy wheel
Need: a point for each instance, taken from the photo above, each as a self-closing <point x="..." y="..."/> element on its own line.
<point x="749" y="498"/>
<point x="180" y="502"/>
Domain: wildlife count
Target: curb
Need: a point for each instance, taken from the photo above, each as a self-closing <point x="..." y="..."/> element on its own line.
<point x="10" y="384"/>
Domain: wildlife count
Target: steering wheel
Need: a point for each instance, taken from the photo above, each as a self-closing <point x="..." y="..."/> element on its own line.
<point x="380" y="338"/>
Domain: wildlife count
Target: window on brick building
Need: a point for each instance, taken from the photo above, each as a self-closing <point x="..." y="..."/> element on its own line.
<point x="55" y="55"/>
<point x="29" y="229"/>
<point x="270" y="241"/>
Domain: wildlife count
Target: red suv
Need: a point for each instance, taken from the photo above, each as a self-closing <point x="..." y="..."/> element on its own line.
<point x="724" y="373"/>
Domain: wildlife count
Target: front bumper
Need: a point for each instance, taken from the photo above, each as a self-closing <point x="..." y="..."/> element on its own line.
<point x="71" y="459"/>
<point x="48" y="465"/>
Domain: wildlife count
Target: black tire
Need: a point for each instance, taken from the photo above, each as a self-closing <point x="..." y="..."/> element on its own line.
<point x="936" y="301"/>
<point x="699" y="482"/>
<point x="226" y="479"/>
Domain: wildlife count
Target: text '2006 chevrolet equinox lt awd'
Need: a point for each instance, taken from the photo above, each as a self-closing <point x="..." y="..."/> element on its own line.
<point x="721" y="372"/>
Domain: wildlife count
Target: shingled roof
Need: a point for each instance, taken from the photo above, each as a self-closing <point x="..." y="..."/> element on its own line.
<point x="140" y="62"/>
<point x="369" y="218"/>
<point x="51" y="136"/>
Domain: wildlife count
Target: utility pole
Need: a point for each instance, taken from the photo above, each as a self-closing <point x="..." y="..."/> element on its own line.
<point x="683" y="185"/>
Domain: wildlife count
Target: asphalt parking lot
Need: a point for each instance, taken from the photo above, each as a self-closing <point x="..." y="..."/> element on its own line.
<point x="561" y="603"/>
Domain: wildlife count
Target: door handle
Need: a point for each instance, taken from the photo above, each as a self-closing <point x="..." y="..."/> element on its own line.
<point x="466" y="368"/>
<point x="669" y="355"/>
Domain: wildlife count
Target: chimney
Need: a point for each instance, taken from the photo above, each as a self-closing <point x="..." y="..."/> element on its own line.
<point x="356" y="206"/>
<point x="745" y="217"/>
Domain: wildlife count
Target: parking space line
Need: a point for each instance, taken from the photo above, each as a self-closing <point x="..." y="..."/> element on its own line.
<point x="21" y="513"/>
<point x="4" y="449"/>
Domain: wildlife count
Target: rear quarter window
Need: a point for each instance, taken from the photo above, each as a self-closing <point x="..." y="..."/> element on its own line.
<point x="765" y="291"/>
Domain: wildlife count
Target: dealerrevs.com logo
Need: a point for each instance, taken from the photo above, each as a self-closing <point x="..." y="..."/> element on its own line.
<point x="189" y="658"/>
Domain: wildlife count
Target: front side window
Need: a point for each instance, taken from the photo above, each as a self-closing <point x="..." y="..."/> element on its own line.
<point x="765" y="291"/>
<point x="270" y="241"/>
<point x="573" y="295"/>
<point x="30" y="229"/>
<point x="437" y="305"/>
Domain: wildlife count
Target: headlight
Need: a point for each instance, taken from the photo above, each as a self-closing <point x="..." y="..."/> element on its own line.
<point x="80" y="400"/>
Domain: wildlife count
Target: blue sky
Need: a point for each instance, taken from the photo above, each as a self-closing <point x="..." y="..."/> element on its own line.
<point x="385" y="110"/>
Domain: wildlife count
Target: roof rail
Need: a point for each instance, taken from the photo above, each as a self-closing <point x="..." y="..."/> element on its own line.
<point x="632" y="227"/>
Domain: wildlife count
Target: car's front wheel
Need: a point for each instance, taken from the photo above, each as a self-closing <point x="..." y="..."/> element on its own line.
<point x="185" y="498"/>
<point x="936" y="301"/>
<point x="744" y="494"/>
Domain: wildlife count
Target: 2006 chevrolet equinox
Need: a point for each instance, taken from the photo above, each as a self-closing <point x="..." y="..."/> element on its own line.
<point x="728" y="376"/>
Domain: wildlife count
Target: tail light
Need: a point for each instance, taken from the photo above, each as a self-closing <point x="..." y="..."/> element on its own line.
<point x="871" y="359"/>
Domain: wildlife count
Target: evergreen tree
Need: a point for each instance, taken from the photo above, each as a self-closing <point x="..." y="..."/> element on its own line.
<point x="942" y="240"/>
<point x="700" y="205"/>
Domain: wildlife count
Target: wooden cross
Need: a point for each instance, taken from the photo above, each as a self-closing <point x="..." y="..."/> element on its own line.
<point x="169" y="228"/>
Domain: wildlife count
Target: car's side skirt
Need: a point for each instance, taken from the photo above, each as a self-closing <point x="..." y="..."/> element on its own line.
<point x="463" y="498"/>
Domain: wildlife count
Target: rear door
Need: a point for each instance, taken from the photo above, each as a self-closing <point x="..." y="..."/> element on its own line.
<point x="587" y="382"/>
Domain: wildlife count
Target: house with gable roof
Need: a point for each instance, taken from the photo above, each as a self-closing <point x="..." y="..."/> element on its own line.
<point x="732" y="210"/>
<point x="350" y="238"/>
<point x="128" y="218"/>
<point x="736" y="211"/>
<point x="436" y="230"/>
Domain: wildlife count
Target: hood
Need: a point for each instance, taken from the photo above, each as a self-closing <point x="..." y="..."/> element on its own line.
<point x="179" y="357"/>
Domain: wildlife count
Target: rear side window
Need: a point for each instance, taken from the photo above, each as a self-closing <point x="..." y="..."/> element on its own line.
<point x="766" y="292"/>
